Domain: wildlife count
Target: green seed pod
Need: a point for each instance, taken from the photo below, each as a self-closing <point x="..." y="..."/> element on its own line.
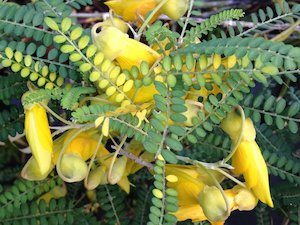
<point x="73" y="167"/>
<point x="96" y="177"/>
<point x="118" y="170"/>
<point x="213" y="204"/>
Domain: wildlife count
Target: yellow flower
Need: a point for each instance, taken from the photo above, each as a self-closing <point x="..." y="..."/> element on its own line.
<point x="247" y="159"/>
<point x="195" y="188"/>
<point x="174" y="9"/>
<point x="132" y="10"/>
<point x="55" y="193"/>
<point x="128" y="52"/>
<point x="39" y="138"/>
<point x="81" y="148"/>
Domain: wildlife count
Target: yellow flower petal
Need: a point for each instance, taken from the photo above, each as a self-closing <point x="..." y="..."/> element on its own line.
<point x="124" y="184"/>
<point x="134" y="53"/>
<point x="241" y="158"/>
<point x="131" y="10"/>
<point x="39" y="137"/>
<point x="192" y="211"/>
<point x="31" y="170"/>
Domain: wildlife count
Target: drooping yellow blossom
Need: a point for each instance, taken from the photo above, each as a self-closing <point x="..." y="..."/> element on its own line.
<point x="55" y="193"/>
<point x="39" y="138"/>
<point x="247" y="159"/>
<point x="174" y="9"/>
<point x="81" y="148"/>
<point x="197" y="198"/>
<point x="132" y="10"/>
<point x="128" y="52"/>
<point x="136" y="10"/>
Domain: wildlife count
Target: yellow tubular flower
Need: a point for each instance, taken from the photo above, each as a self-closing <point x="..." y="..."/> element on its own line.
<point x="39" y="138"/>
<point x="55" y="193"/>
<point x="128" y="52"/>
<point x="132" y="10"/>
<point x="174" y="9"/>
<point x="192" y="182"/>
<point x="247" y="159"/>
<point x="81" y="148"/>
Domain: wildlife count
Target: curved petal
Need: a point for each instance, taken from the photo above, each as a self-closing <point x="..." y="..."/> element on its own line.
<point x="258" y="166"/>
<point x="39" y="137"/>
<point x="193" y="212"/>
<point x="241" y="158"/>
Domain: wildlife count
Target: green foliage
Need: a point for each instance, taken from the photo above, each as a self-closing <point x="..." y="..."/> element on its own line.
<point x="212" y="22"/>
<point x="114" y="204"/>
<point x="11" y="122"/>
<point x="11" y="86"/>
<point x="42" y="45"/>
<point x="273" y="111"/>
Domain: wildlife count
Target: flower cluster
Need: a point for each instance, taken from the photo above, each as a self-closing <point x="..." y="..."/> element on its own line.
<point x="80" y="152"/>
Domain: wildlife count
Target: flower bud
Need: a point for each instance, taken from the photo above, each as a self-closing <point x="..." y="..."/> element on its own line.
<point x="118" y="170"/>
<point x="174" y="9"/>
<point x="244" y="199"/>
<point x="31" y="171"/>
<point x="110" y="41"/>
<point x="56" y="193"/>
<point x="115" y="22"/>
<point x="39" y="137"/>
<point x="73" y="167"/>
<point x="232" y="125"/>
<point x="95" y="178"/>
<point x="213" y="204"/>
